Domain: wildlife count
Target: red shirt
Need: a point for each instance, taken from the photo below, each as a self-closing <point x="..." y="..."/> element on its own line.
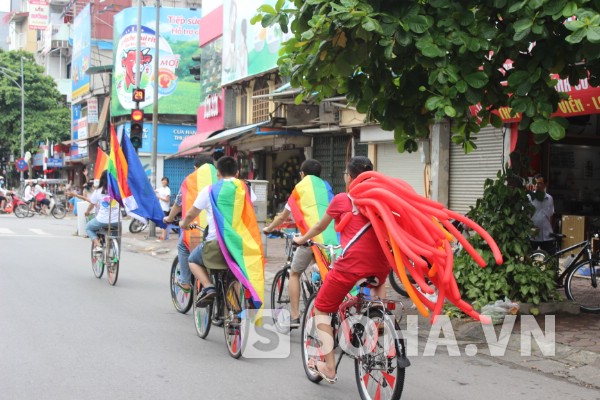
<point x="365" y="253"/>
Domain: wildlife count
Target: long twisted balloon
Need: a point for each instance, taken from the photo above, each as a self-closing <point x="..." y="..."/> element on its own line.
<point x="418" y="231"/>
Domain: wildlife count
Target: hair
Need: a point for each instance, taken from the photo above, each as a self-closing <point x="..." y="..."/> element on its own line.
<point x="540" y="176"/>
<point x="357" y="165"/>
<point x="311" y="167"/>
<point x="103" y="184"/>
<point x="218" y="154"/>
<point x="165" y="179"/>
<point x="202" y="159"/>
<point x="227" y="166"/>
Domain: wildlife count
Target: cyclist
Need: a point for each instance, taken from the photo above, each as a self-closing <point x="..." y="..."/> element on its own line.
<point x="361" y="257"/>
<point x="311" y="195"/>
<point x="202" y="163"/>
<point x="208" y="253"/>
<point x="107" y="211"/>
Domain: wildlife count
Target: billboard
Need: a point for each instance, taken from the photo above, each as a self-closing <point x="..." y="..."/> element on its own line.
<point x="178" y="92"/>
<point x="248" y="49"/>
<point x="169" y="137"/>
<point x="39" y="14"/>
<point x="81" y="53"/>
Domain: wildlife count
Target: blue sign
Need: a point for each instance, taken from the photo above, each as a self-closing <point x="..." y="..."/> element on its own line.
<point x="54" y="162"/>
<point x="169" y="137"/>
<point x="82" y="50"/>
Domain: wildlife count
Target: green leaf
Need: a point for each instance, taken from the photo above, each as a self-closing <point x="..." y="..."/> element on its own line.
<point x="279" y="5"/>
<point x="522" y="25"/>
<point x="266" y="8"/>
<point x="433" y="102"/>
<point x="574" y="25"/>
<point x="516" y="7"/>
<point x="370" y="25"/>
<point x="477" y="79"/>
<point x="461" y="86"/>
<point x="431" y="50"/>
<point x="539" y="126"/>
<point x="267" y="20"/>
<point x="556" y="130"/>
<point x="496" y="121"/>
<point x="593" y="34"/>
<point x="569" y="9"/>
<point x="576" y="37"/>
<point x="419" y="23"/>
<point x="450" y="111"/>
<point x="517" y="77"/>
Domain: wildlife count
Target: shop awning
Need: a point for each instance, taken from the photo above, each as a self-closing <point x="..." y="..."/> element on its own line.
<point x="229" y="134"/>
<point x="283" y="91"/>
<point x="191" y="145"/>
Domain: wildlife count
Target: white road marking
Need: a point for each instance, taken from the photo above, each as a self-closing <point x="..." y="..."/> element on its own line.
<point x="6" y="231"/>
<point x="38" y="231"/>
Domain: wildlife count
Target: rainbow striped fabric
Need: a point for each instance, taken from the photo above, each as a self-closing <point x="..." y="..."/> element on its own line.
<point x="192" y="185"/>
<point x="308" y="203"/>
<point x="239" y="235"/>
<point x="101" y="163"/>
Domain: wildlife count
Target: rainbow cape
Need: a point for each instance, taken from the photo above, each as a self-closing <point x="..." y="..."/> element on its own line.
<point x="239" y="235"/>
<point x="308" y="202"/>
<point x="128" y="183"/>
<point x="101" y="163"/>
<point x="192" y="185"/>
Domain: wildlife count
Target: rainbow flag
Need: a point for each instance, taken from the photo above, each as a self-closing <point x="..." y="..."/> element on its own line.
<point x="192" y="185"/>
<point x="101" y="163"/>
<point x="308" y="203"/>
<point x="239" y="235"/>
<point x="128" y="183"/>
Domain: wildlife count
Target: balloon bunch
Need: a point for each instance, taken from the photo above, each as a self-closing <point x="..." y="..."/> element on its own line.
<point x="418" y="231"/>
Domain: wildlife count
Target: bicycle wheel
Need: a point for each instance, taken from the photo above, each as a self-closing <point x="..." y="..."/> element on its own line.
<point x="182" y="301"/>
<point x="97" y="262"/>
<point x="280" y="301"/>
<point x="202" y="315"/>
<point x="378" y="372"/>
<point x="22" y="211"/>
<point x="581" y="286"/>
<point x="234" y="305"/>
<point x="112" y="261"/>
<point x="311" y="346"/>
<point x="397" y="284"/>
<point x="136" y="226"/>
<point x="59" y="211"/>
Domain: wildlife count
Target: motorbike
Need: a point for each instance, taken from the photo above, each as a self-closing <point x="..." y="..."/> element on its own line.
<point x="57" y="209"/>
<point x="136" y="226"/>
<point x="12" y="202"/>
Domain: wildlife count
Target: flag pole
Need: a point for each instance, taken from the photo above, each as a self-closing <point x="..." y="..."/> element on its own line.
<point x="152" y="232"/>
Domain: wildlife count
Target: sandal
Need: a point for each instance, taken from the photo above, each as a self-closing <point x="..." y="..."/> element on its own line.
<point x="184" y="289"/>
<point x="313" y="368"/>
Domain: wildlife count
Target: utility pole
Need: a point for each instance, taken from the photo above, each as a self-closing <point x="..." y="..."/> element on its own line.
<point x="22" y="117"/>
<point x="152" y="232"/>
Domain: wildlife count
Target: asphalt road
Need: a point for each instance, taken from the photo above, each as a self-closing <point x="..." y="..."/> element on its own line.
<point x="66" y="335"/>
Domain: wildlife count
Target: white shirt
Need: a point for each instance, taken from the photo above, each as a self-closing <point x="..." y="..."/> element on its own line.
<point x="28" y="195"/>
<point x="106" y="208"/>
<point x="202" y="202"/>
<point x="38" y="189"/>
<point x="544" y="210"/>
<point x="163" y="192"/>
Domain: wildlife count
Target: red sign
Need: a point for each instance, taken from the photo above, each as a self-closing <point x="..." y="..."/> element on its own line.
<point x="21" y="164"/>
<point x="583" y="100"/>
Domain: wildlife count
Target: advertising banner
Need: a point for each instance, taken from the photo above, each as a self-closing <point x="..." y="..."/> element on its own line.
<point x="211" y="111"/>
<point x="92" y="110"/>
<point x="248" y="49"/>
<point x="169" y="137"/>
<point x="178" y="92"/>
<point x="81" y="53"/>
<point x="39" y="14"/>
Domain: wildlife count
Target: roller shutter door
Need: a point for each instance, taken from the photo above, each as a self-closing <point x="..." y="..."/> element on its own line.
<point x="406" y="166"/>
<point x="176" y="169"/>
<point x="468" y="172"/>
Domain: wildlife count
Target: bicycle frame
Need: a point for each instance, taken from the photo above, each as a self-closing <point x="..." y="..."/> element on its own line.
<point x="586" y="248"/>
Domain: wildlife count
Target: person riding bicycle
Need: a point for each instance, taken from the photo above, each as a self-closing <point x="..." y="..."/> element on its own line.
<point x="209" y="254"/>
<point x="107" y="211"/>
<point x="542" y="217"/>
<point x="307" y="204"/>
<point x="361" y="257"/>
<point x="203" y="166"/>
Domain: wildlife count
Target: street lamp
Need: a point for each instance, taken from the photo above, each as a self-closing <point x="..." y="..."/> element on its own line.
<point x="22" y="87"/>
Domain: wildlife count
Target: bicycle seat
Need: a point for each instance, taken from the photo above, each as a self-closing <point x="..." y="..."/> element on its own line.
<point x="368" y="281"/>
<point x="558" y="235"/>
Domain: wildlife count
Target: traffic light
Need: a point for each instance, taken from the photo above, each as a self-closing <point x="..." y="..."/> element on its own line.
<point x="195" y="68"/>
<point x="137" y="128"/>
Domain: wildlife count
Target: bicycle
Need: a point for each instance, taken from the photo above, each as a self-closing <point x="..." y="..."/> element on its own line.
<point x="228" y="308"/>
<point x="310" y="282"/>
<point x="108" y="257"/>
<point x="369" y="334"/>
<point x="581" y="274"/>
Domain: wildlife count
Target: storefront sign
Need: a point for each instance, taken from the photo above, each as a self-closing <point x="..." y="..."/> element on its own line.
<point x="583" y="100"/>
<point x="211" y="106"/>
<point x="169" y="137"/>
<point x="92" y="109"/>
<point x="39" y="14"/>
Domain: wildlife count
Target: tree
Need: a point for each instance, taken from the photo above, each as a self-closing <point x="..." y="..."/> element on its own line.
<point x="407" y="64"/>
<point x="47" y="117"/>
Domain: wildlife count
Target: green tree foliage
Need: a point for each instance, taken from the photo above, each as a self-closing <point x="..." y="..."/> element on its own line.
<point x="407" y="64"/>
<point x="504" y="212"/>
<point x="46" y="114"/>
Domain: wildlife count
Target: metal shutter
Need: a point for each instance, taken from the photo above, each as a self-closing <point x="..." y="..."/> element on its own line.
<point x="176" y="169"/>
<point x="468" y="172"/>
<point x="331" y="151"/>
<point x="406" y="166"/>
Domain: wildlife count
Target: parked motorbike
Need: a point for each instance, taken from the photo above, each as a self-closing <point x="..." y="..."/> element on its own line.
<point x="136" y="226"/>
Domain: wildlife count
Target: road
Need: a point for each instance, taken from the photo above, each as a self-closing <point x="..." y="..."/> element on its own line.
<point x="66" y="335"/>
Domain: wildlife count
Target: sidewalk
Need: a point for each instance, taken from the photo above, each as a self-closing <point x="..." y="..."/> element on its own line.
<point x="577" y="337"/>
